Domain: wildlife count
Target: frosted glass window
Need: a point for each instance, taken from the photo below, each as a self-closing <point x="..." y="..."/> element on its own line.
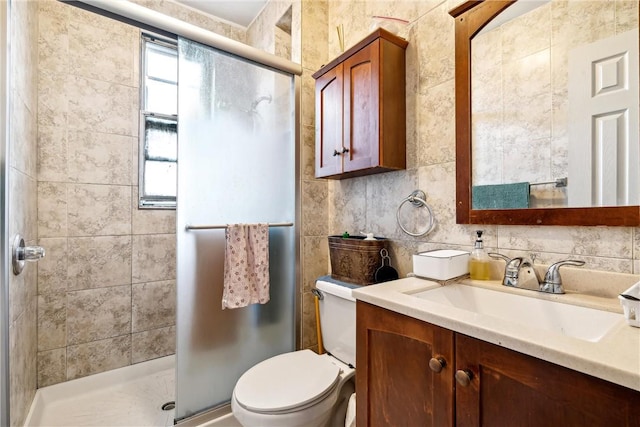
<point x="158" y="123"/>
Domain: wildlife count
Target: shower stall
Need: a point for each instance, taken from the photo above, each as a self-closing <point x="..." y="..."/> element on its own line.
<point x="237" y="163"/>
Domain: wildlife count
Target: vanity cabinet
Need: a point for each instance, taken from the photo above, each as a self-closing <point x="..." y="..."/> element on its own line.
<point x="396" y="385"/>
<point x="360" y="109"/>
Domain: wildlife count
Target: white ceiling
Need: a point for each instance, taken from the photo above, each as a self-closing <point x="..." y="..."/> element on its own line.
<point x="241" y="12"/>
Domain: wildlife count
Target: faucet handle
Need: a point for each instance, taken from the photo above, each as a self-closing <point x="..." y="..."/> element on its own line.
<point x="496" y="255"/>
<point x="552" y="279"/>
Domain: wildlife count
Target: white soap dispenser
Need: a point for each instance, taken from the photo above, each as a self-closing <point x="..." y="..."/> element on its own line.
<point x="479" y="260"/>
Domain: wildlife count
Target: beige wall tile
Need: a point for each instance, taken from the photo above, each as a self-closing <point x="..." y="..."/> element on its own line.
<point x="99" y="210"/>
<point x="52" y="316"/>
<point x="52" y="209"/>
<point x="98" y="262"/>
<point x="96" y="314"/>
<point x="626" y="15"/>
<point x="103" y="53"/>
<point x="436" y="129"/>
<point x="600" y="241"/>
<point x="99" y="158"/>
<point x="53" y="104"/>
<point x="52" y="153"/>
<point x="52" y="367"/>
<point x="22" y="359"/>
<point x="24" y="136"/>
<point x="154" y="258"/>
<point x="309" y="335"/>
<point x="52" y="269"/>
<point x="153" y="305"/>
<point x="314" y="215"/>
<point x="314" y="48"/>
<point x="102" y="107"/>
<point x="98" y="356"/>
<point x="348" y="206"/>
<point x="435" y="40"/>
<point x="315" y="256"/>
<point x="308" y="152"/>
<point x="152" y="344"/>
<point x="53" y="41"/>
<point x="384" y="194"/>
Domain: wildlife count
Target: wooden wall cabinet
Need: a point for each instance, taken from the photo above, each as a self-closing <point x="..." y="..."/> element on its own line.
<point x="360" y="109"/>
<point x="395" y="383"/>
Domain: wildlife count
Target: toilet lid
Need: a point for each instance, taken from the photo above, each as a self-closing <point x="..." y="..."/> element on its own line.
<point x="286" y="381"/>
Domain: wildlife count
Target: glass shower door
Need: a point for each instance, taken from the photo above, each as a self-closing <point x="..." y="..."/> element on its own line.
<point x="236" y="164"/>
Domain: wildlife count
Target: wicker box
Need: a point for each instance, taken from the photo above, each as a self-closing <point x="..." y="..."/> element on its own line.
<point x="354" y="259"/>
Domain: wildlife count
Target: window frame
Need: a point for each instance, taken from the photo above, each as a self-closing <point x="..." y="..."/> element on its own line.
<point x="151" y="202"/>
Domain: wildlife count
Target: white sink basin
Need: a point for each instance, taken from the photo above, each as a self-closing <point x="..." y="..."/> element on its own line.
<point x="579" y="322"/>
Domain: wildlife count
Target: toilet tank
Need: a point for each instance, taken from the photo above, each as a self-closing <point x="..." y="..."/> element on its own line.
<point x="338" y="321"/>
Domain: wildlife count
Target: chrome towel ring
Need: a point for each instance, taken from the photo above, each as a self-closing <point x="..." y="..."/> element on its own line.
<point x="417" y="199"/>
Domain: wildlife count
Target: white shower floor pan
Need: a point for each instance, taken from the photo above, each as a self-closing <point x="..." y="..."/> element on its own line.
<point x="129" y="396"/>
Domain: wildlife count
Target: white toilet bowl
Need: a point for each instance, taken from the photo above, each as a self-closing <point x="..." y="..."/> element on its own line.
<point x="302" y="388"/>
<point x="294" y="389"/>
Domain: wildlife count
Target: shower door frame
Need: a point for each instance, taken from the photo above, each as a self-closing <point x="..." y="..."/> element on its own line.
<point x="5" y="6"/>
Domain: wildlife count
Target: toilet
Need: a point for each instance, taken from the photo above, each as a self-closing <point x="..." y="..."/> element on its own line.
<point x="302" y="388"/>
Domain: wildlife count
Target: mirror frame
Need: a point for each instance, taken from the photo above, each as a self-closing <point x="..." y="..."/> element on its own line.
<point x="470" y="18"/>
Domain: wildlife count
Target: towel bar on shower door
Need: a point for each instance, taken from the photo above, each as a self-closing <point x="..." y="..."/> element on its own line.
<point x="220" y="226"/>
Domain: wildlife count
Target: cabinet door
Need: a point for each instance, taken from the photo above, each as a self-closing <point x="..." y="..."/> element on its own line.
<point x="329" y="112"/>
<point x="362" y="108"/>
<point x="513" y="389"/>
<point x="394" y="384"/>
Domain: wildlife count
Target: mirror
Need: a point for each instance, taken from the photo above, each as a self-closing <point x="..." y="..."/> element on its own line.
<point x="538" y="141"/>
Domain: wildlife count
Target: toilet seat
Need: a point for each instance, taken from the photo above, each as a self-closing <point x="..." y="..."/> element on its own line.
<point x="287" y="383"/>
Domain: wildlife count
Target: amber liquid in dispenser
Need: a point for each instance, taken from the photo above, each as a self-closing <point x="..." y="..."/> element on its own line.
<point x="479" y="260"/>
<point x="478" y="270"/>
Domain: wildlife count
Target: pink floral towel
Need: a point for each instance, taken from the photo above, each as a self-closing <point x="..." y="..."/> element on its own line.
<point x="246" y="265"/>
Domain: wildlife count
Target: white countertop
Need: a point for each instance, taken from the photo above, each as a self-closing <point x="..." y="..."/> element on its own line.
<point x="615" y="357"/>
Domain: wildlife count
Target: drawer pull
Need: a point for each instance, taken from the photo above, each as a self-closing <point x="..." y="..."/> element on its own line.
<point x="437" y="363"/>
<point x="464" y="377"/>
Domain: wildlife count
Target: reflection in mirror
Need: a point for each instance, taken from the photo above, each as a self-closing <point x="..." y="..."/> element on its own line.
<point x="554" y="106"/>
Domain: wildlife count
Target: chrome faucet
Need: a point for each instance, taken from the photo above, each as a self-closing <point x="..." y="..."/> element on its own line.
<point x="520" y="273"/>
<point x="552" y="281"/>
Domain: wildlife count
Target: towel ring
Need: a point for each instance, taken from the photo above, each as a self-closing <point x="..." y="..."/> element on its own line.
<point x="416" y="199"/>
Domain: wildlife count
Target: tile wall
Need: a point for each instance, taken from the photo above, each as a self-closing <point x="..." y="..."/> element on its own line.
<point x="22" y="204"/>
<point x="370" y="203"/>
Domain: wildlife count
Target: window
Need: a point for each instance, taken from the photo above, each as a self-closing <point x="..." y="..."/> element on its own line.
<point x="158" y="123"/>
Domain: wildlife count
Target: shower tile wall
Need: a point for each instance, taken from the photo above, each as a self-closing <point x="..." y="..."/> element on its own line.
<point x="22" y="203"/>
<point x="106" y="290"/>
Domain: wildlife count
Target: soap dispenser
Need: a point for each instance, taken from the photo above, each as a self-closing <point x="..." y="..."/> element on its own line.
<point x="479" y="260"/>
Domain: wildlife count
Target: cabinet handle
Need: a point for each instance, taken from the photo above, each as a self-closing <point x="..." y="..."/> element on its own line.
<point x="336" y="153"/>
<point x="345" y="150"/>
<point x="464" y="377"/>
<point x="437" y="363"/>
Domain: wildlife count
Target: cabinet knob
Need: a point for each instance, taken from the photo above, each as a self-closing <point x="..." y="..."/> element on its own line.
<point x="437" y="363"/>
<point x="345" y="150"/>
<point x="464" y="377"/>
<point x="336" y="153"/>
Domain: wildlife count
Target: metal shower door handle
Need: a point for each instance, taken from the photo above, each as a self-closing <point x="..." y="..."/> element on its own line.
<point x="22" y="253"/>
